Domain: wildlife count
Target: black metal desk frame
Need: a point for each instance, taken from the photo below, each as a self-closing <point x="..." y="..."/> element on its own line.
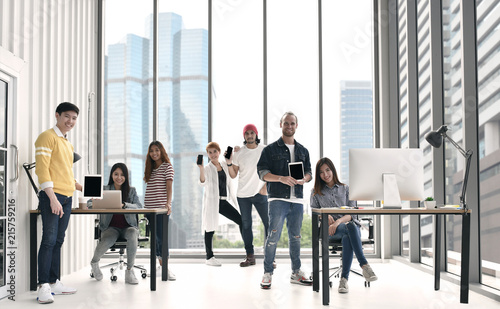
<point x="323" y="213"/>
<point x="156" y="211"/>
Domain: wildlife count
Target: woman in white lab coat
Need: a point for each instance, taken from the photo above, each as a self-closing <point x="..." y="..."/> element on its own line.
<point x="217" y="198"/>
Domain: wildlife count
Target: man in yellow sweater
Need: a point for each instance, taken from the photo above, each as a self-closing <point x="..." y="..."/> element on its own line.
<point x="54" y="168"/>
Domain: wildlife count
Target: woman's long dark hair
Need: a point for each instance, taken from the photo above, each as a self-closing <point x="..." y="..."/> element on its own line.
<point x="126" y="185"/>
<point x="150" y="164"/>
<point x="318" y="182"/>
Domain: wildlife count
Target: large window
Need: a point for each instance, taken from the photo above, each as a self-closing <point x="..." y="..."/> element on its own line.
<point x="214" y="79"/>
<point x="488" y="63"/>
<point x="453" y="115"/>
<point x="425" y="121"/>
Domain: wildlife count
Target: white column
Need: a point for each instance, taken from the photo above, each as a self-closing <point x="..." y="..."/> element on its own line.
<point x="491" y="137"/>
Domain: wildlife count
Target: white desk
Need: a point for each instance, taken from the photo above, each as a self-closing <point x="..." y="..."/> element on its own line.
<point x="324" y="212"/>
<point x="76" y="211"/>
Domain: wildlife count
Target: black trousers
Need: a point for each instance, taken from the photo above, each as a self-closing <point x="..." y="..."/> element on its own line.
<point x="229" y="212"/>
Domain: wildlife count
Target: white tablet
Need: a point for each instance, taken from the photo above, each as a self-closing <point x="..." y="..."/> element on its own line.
<point x="296" y="170"/>
<point x="92" y="186"/>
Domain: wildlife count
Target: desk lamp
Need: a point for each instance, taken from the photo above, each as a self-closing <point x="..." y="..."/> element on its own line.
<point x="435" y="138"/>
<point x="29" y="166"/>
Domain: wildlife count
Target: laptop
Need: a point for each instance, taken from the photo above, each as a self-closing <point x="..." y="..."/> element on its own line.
<point x="111" y="199"/>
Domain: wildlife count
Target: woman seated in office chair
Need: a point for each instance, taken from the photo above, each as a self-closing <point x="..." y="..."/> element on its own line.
<point x="329" y="192"/>
<point x="114" y="226"/>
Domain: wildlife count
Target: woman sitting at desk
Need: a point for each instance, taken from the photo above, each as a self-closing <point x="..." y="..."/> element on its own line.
<point x="114" y="226"/>
<point x="329" y="192"/>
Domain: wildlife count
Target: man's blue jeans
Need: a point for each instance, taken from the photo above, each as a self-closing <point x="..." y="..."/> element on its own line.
<point x="53" y="232"/>
<point x="261" y="205"/>
<point x="278" y="212"/>
<point x="350" y="237"/>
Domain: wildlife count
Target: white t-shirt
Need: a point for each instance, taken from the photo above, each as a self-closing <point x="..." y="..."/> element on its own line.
<point x="246" y="159"/>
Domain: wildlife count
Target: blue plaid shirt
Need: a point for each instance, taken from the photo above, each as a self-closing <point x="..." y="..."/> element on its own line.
<point x="334" y="197"/>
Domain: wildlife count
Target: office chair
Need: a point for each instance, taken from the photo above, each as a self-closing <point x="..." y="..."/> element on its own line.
<point x="120" y="245"/>
<point x="336" y="248"/>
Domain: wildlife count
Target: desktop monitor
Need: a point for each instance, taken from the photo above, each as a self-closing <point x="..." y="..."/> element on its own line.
<point x="386" y="174"/>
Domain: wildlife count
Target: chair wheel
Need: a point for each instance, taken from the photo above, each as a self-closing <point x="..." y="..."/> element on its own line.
<point x="113" y="278"/>
<point x="330" y="283"/>
<point x="367" y="284"/>
<point x="144" y="275"/>
<point x="91" y="275"/>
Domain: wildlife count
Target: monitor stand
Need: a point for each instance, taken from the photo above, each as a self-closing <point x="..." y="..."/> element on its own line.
<point x="392" y="199"/>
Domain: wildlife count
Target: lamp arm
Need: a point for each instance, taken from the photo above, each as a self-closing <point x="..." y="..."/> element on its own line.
<point x="462" y="151"/>
<point x="468" y="156"/>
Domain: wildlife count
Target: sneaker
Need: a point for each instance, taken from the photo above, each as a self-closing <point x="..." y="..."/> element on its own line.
<point x="213" y="262"/>
<point x="368" y="273"/>
<point x="300" y="278"/>
<point x="343" y="286"/>
<point x="171" y="276"/>
<point x="59" y="289"/>
<point x="45" y="294"/>
<point x="249" y="261"/>
<point x="96" y="271"/>
<point x="130" y="277"/>
<point x="266" y="281"/>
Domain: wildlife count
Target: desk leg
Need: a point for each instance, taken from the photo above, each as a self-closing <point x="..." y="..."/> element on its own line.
<point x="33" y="251"/>
<point x="164" y="254"/>
<point x="325" y="257"/>
<point x="464" y="276"/>
<point x="437" y="253"/>
<point x="152" y="253"/>
<point x="315" y="249"/>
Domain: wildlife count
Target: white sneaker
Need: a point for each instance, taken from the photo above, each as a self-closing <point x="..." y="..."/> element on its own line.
<point x="343" y="286"/>
<point x="96" y="271"/>
<point x="266" y="281"/>
<point x="300" y="278"/>
<point x="213" y="262"/>
<point x="130" y="277"/>
<point x="45" y="294"/>
<point x="368" y="273"/>
<point x="59" y="289"/>
<point x="171" y="276"/>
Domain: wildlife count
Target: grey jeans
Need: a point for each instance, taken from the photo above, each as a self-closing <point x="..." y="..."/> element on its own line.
<point x="109" y="237"/>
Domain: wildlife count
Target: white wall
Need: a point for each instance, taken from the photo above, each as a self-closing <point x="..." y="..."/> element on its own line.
<point x="52" y="43"/>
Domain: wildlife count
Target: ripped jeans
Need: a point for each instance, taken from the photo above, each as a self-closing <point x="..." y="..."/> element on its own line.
<point x="278" y="212"/>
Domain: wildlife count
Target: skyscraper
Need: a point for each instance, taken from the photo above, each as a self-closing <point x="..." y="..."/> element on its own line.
<point x="125" y="111"/>
<point x="182" y="113"/>
<point x="356" y="121"/>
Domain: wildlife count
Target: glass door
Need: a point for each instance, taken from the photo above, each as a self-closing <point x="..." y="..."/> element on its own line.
<point x="3" y="191"/>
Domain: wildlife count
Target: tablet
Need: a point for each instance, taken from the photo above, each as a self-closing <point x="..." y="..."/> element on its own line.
<point x="296" y="170"/>
<point x="92" y="186"/>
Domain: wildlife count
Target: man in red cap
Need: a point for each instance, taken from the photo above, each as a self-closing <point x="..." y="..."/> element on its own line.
<point x="251" y="190"/>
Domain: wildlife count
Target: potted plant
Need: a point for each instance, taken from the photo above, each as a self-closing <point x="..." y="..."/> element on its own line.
<point x="429" y="202"/>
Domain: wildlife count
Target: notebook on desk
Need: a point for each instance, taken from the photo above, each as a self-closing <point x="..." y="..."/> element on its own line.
<point x="111" y="199"/>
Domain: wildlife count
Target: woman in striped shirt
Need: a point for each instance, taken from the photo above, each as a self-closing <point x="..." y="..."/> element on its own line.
<point x="159" y="175"/>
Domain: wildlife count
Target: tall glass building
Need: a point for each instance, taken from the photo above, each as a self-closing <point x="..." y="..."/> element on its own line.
<point x="356" y="121"/>
<point x="182" y="113"/>
<point x="125" y="114"/>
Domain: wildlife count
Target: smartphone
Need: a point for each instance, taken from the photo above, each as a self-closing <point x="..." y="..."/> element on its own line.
<point x="199" y="161"/>
<point x="229" y="151"/>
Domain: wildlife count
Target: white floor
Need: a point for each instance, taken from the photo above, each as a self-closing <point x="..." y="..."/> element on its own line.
<point x="230" y="286"/>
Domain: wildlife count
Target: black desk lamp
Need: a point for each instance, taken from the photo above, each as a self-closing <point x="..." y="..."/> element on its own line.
<point x="29" y="166"/>
<point x="435" y="138"/>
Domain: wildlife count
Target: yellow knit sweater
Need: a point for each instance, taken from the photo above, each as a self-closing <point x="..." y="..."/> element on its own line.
<point x="54" y="162"/>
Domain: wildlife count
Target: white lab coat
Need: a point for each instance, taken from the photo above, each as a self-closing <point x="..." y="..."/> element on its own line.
<point x="210" y="212"/>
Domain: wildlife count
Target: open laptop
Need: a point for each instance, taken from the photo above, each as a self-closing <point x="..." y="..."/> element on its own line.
<point x="111" y="199"/>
